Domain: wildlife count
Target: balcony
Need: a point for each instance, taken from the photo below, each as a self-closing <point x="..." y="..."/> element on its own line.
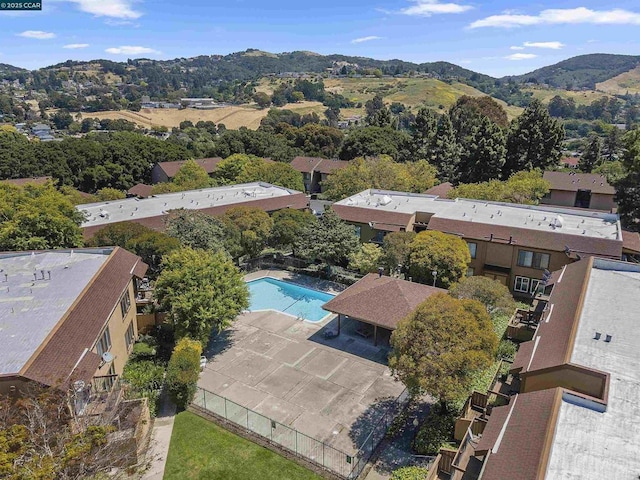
<point x="104" y="395"/>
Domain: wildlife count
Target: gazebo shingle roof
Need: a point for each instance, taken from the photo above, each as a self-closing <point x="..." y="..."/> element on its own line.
<point x="381" y="300"/>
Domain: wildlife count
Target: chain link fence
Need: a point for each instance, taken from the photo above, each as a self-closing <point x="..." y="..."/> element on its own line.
<point x="343" y="464"/>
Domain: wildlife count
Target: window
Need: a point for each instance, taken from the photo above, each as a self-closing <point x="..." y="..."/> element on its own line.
<point x="125" y="303"/>
<point x="535" y="284"/>
<point x="470" y="272"/>
<point x="533" y="259"/>
<point x="358" y="229"/>
<point x="130" y="335"/>
<point x="104" y="344"/>
<point x="379" y="237"/>
<point x="472" y="249"/>
<point x="522" y="284"/>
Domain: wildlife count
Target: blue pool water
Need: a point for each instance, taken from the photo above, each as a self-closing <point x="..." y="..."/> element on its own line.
<point x="271" y="294"/>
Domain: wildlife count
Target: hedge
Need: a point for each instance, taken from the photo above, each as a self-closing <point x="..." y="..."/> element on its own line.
<point x="183" y="371"/>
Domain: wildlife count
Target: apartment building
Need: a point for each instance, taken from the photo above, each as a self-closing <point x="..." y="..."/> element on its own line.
<point x="513" y="244"/>
<point x="153" y="211"/>
<point x="576" y="414"/>
<point x="315" y="171"/>
<point x="67" y="318"/>
<point x="580" y="190"/>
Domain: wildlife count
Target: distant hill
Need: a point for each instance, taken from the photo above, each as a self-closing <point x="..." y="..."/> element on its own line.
<point x="4" y="69"/>
<point x="583" y="71"/>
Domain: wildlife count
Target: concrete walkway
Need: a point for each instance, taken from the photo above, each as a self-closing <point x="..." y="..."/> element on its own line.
<point x="160" y="440"/>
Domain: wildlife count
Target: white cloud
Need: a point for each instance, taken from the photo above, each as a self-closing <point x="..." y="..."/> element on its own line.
<point x="37" y="34"/>
<point x="108" y="8"/>
<point x="426" y="8"/>
<point x="551" y="45"/>
<point x="76" y="45"/>
<point x="521" y="56"/>
<point x="556" y="16"/>
<point x="365" y="39"/>
<point x="515" y="47"/>
<point x="130" y="50"/>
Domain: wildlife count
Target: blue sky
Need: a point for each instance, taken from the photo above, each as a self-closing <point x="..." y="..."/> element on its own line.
<point x="497" y="37"/>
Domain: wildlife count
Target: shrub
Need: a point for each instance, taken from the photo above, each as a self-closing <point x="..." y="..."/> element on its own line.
<point x="183" y="371"/>
<point x="142" y="351"/>
<point x="507" y="349"/>
<point x="410" y="473"/>
<point x="436" y="431"/>
<point x="144" y="379"/>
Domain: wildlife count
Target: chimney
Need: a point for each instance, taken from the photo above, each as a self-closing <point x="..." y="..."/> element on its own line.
<point x="380" y="272"/>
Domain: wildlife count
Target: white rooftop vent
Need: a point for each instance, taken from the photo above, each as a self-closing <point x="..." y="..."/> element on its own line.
<point x="104" y="213"/>
<point x="557" y="222"/>
<point x="385" y="200"/>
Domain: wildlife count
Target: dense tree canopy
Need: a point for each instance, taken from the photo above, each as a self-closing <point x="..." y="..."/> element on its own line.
<point x="37" y="217"/>
<point x="433" y="251"/>
<point x="374" y="141"/>
<point x="196" y="229"/>
<point x="382" y="173"/>
<point x="440" y="346"/>
<point x="367" y="259"/>
<point x="628" y="188"/>
<point x="288" y="225"/>
<point x="522" y="187"/>
<point x="397" y="249"/>
<point x="492" y="294"/>
<point x="330" y="240"/>
<point x="250" y="227"/>
<point x="202" y="291"/>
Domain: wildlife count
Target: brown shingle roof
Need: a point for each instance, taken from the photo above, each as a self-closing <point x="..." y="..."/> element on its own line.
<point x="522" y="451"/>
<point x="631" y="241"/>
<point x="23" y="181"/>
<point x="366" y="215"/>
<point x="552" y="240"/>
<point x="305" y="164"/>
<point x="330" y="165"/>
<point x="572" y="182"/>
<point x="54" y="362"/>
<point x="555" y="344"/>
<point x="171" y="168"/>
<point x="140" y="190"/>
<point x="440" y="190"/>
<point x="382" y="301"/>
<point x="571" y="161"/>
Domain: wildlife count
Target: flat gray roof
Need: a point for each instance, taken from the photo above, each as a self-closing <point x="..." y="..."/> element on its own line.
<point x="104" y="213"/>
<point x="590" y="443"/>
<point x="31" y="307"/>
<point x="533" y="217"/>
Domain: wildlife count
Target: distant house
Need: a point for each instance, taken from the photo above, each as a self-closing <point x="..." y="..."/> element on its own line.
<point x="569" y="162"/>
<point x="68" y="316"/>
<point x="582" y="190"/>
<point x="315" y="171"/>
<point x="441" y="190"/>
<point x="40" y="128"/>
<point x="140" y="191"/>
<point x="165" y="171"/>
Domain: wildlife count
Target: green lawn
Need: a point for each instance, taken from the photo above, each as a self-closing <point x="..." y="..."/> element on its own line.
<point x="203" y="450"/>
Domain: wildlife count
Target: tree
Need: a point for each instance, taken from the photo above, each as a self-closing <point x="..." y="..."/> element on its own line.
<point x="62" y="119"/>
<point x="484" y="155"/>
<point x="288" y="225"/>
<point x="191" y="176"/>
<point x="446" y="151"/>
<point x="262" y="99"/>
<point x="521" y="187"/>
<point x="373" y="106"/>
<point x="438" y="348"/>
<point x="424" y="134"/>
<point x="275" y="173"/>
<point x="592" y="154"/>
<point x="484" y="106"/>
<point x="492" y="294"/>
<point x="366" y="260"/>
<point x="230" y="168"/>
<point x="183" y="371"/>
<point x="196" y="229"/>
<point x="397" y="249"/>
<point x="433" y="251"/>
<point x="613" y="171"/>
<point x="37" y="217"/>
<point x="117" y="234"/>
<point x="251" y="226"/>
<point x="534" y="140"/>
<point x="628" y="188"/>
<point x="152" y="247"/>
<point x="330" y="240"/>
<point x="382" y="173"/>
<point x="105" y="194"/>
<point x="374" y="141"/>
<point x="201" y="291"/>
<point x="39" y="439"/>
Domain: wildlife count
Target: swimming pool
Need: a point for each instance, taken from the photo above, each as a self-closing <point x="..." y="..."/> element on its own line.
<point x="271" y="294"/>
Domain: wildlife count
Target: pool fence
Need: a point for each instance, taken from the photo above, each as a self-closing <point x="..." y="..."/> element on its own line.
<point x="283" y="437"/>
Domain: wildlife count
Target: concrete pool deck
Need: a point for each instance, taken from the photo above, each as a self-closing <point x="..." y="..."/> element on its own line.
<point x="333" y="390"/>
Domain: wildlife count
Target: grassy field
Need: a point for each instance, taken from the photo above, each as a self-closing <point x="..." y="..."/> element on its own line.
<point x="413" y="92"/>
<point x="202" y="450"/>
<point x="581" y="98"/>
<point x="623" y="83"/>
<point x="233" y="117"/>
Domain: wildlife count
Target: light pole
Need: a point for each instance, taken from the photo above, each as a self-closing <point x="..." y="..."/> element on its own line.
<point x="435" y="275"/>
